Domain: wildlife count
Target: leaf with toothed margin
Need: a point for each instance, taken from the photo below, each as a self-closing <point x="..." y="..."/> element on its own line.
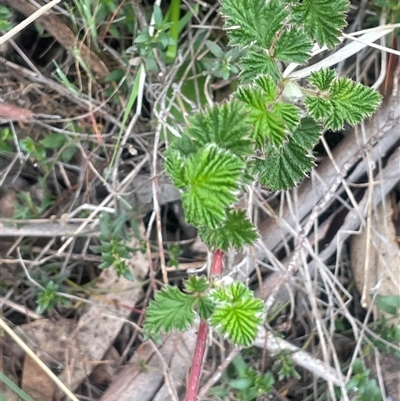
<point x="212" y="176"/>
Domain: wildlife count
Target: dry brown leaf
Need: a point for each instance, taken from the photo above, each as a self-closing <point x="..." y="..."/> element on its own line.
<point x="383" y="260"/>
<point x="48" y="339"/>
<point x="100" y="324"/>
<point x="7" y="203"/>
<point x="104" y="373"/>
<point x="152" y="376"/>
<point x="35" y="382"/>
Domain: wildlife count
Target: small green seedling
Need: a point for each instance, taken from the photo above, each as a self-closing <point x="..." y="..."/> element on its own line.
<point x="243" y="382"/>
<point x="114" y="248"/>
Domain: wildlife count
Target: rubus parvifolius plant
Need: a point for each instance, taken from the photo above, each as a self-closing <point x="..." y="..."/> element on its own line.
<point x="265" y="132"/>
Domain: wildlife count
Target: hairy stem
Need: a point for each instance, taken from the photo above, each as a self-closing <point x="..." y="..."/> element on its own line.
<point x="201" y="342"/>
<point x="216" y="266"/>
<point x="197" y="364"/>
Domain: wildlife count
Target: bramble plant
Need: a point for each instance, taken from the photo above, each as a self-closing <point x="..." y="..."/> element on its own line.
<point x="265" y="132"/>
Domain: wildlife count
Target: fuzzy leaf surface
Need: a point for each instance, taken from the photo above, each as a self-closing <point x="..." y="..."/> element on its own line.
<point x="289" y="114"/>
<point x="318" y="108"/>
<point x="253" y="21"/>
<point x="286" y="166"/>
<point x="196" y="284"/>
<point x="205" y="307"/>
<point x="256" y="63"/>
<point x="185" y="146"/>
<point x="307" y="134"/>
<point x="174" y="167"/>
<point x="170" y="310"/>
<point x="224" y="125"/>
<point x="212" y="175"/>
<point x="352" y="102"/>
<point x="239" y="315"/>
<point x="322" y="20"/>
<point x="344" y="100"/>
<point x="268" y="86"/>
<point x="293" y="46"/>
<point x="272" y="121"/>
<point x="236" y="232"/>
<point x="322" y="79"/>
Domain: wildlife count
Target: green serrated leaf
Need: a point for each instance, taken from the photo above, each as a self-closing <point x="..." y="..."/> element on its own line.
<point x="213" y="176"/>
<point x="239" y="319"/>
<point x="253" y="96"/>
<point x="267" y="122"/>
<point x="184" y="145"/>
<point x="220" y="295"/>
<point x="236" y="232"/>
<point x="344" y="100"/>
<point x="285" y="167"/>
<point x="289" y="114"/>
<point x="173" y="165"/>
<point x="254" y="64"/>
<point x="268" y="86"/>
<point x="205" y="307"/>
<point x="170" y="310"/>
<point x="322" y="20"/>
<point x="197" y="284"/>
<point x="318" y="108"/>
<point x="322" y="79"/>
<point x="352" y="102"/>
<point x="307" y="134"/>
<point x="225" y="125"/>
<point x="253" y="21"/>
<point x="293" y="46"/>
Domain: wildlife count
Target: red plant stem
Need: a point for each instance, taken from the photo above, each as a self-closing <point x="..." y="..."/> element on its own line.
<point x="197" y="364"/>
<point x="216" y="265"/>
<point x="201" y="341"/>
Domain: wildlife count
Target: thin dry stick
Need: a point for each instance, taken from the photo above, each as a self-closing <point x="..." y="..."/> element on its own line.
<point x="276" y="345"/>
<point x="42" y="366"/>
<point x="27" y="21"/>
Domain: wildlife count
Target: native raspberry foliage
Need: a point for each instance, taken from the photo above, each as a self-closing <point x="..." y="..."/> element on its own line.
<point x="265" y="132"/>
<point x="238" y="314"/>
<point x="232" y="310"/>
<point x="236" y="231"/>
<point x="339" y="100"/>
<point x="256" y="21"/>
<point x="212" y="175"/>
<point x="294" y="45"/>
<point x="256" y="63"/>
<point x="272" y="120"/>
<point x="162" y="313"/>
<point x="323" y="20"/>
<point x="284" y="167"/>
